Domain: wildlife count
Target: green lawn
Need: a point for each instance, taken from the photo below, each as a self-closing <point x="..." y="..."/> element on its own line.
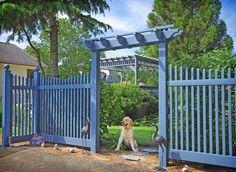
<point x="142" y="135"/>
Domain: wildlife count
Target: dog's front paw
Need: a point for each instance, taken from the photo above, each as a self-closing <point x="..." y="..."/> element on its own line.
<point x="117" y="149"/>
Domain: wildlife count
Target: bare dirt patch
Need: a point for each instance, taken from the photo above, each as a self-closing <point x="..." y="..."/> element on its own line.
<point x="23" y="157"/>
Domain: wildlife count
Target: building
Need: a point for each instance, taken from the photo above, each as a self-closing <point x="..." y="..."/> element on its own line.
<point x="21" y="63"/>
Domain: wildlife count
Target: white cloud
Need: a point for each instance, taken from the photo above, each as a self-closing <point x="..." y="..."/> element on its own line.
<point x="132" y="16"/>
<point x="119" y="53"/>
<point x="118" y="24"/>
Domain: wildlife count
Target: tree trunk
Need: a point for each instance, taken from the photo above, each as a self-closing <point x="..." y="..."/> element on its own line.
<point x="53" y="45"/>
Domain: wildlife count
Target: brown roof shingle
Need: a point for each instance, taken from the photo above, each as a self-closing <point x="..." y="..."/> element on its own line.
<point x="11" y="54"/>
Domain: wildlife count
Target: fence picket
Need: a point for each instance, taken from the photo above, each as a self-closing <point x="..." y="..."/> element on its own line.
<point x="176" y="112"/>
<point x="57" y="109"/>
<point x="192" y="110"/>
<point x="230" y="116"/>
<point x="30" y="103"/>
<point x="60" y="108"/>
<point x="171" y="109"/>
<point x="15" y="108"/>
<point x="198" y="114"/>
<point x="70" y="107"/>
<point x="74" y="109"/>
<point x="26" y="107"/>
<point x="223" y="113"/>
<point x="216" y="116"/>
<point x="81" y="106"/>
<point x="85" y="99"/>
<point x="77" y="109"/>
<point x="204" y="112"/>
<point x="187" y="110"/>
<point x="48" y="107"/>
<point x="18" y="107"/>
<point x="64" y="109"/>
<point x="210" y="114"/>
<point x="181" y="110"/>
<point x="22" y="107"/>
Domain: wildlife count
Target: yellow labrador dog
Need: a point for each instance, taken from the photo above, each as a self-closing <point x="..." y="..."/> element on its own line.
<point x="127" y="135"/>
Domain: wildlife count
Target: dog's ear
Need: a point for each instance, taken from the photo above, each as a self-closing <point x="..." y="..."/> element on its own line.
<point x="131" y="122"/>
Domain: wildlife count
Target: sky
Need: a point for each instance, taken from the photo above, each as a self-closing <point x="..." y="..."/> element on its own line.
<point x="127" y="16"/>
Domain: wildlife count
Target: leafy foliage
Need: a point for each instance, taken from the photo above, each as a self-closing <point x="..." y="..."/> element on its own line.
<point x="143" y="72"/>
<point x="203" y="30"/>
<point x="23" y="19"/>
<point x="146" y="121"/>
<point x="73" y="57"/>
<point x="119" y="100"/>
<point x="215" y="60"/>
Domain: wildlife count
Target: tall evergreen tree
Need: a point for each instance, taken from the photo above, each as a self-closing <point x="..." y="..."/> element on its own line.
<point x="203" y="30"/>
<point x="26" y="18"/>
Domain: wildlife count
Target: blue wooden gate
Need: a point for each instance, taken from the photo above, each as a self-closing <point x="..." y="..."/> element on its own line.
<point x="54" y="107"/>
<point x="64" y="108"/>
<point x="18" y="111"/>
<point x="202" y="116"/>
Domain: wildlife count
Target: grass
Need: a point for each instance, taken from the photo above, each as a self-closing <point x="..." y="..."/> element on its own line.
<point x="142" y="135"/>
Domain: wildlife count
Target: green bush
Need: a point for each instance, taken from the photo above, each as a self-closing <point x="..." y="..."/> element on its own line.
<point x="119" y="100"/>
<point x="146" y="121"/>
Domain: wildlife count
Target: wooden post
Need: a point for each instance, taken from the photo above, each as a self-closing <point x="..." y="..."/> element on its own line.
<point x="36" y="107"/>
<point x="136" y="72"/>
<point x="6" y="105"/>
<point x="95" y="102"/>
<point x="162" y="67"/>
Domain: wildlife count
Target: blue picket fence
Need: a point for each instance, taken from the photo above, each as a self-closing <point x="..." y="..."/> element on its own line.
<point x="202" y="116"/>
<point x="22" y="108"/>
<point x="54" y="107"/>
<point x="64" y="108"/>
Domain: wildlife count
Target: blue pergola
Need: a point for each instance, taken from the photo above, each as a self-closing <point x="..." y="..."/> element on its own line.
<point x="159" y="36"/>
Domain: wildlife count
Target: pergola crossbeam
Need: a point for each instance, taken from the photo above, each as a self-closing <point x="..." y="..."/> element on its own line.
<point x="122" y="40"/>
<point x="148" y="37"/>
<point x="106" y="43"/>
<point x="139" y="37"/>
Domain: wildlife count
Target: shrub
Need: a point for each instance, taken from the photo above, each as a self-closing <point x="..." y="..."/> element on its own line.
<point x="146" y="121"/>
<point x="119" y="100"/>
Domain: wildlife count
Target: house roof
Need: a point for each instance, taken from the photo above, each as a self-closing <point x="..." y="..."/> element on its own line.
<point x="11" y="54"/>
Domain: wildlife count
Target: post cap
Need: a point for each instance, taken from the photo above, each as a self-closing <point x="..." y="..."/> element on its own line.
<point x="6" y="66"/>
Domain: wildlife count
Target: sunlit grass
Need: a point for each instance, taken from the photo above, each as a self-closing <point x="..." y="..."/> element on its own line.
<point x="142" y="135"/>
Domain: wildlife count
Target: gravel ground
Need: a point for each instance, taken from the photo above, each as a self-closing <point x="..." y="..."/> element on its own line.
<point x="24" y="158"/>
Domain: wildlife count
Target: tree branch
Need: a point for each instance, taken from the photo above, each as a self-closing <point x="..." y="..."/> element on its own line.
<point x="37" y="51"/>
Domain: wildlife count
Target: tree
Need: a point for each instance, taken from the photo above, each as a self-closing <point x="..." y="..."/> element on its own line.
<point x="26" y="18"/>
<point x="73" y="57"/>
<point x="203" y="30"/>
